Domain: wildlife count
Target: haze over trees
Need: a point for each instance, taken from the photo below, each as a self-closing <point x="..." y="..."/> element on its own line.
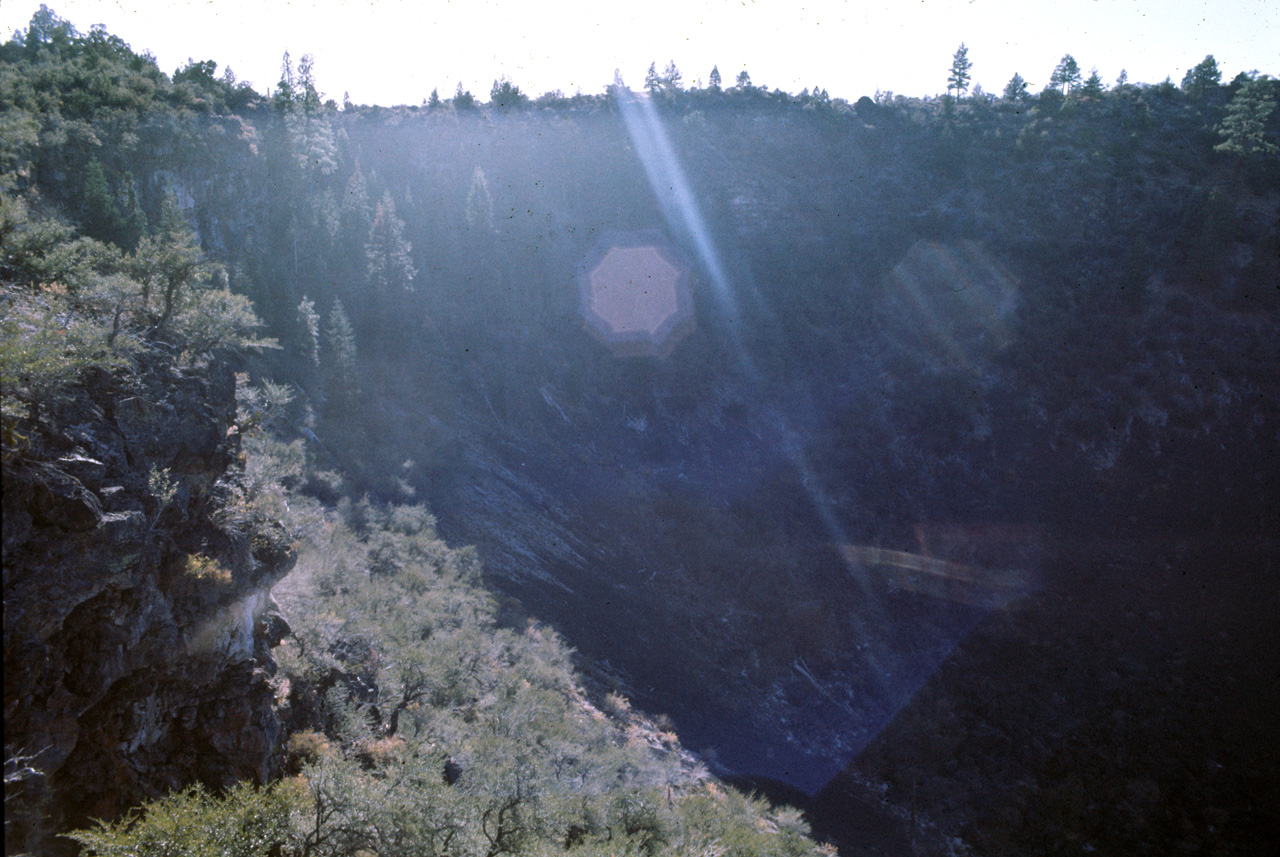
<point x="1046" y="311"/>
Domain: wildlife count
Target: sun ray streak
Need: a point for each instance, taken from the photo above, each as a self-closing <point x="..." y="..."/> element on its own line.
<point x="680" y="209"/>
<point x="892" y="675"/>
<point x="671" y="187"/>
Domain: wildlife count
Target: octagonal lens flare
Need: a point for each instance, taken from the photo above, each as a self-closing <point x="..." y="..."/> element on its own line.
<point x="634" y="291"/>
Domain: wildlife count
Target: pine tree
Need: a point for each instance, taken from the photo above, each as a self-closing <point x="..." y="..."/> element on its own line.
<point x="1203" y="79"/>
<point x="102" y="216"/>
<point x="309" y="97"/>
<point x="462" y="99"/>
<point x="672" y="79"/>
<point x="355" y="219"/>
<point x="49" y="32"/>
<point x="285" y="94"/>
<point x="340" y="346"/>
<point x="356" y="212"/>
<point x="1066" y="74"/>
<point x="434" y="101"/>
<point x="1016" y="88"/>
<point x="387" y="251"/>
<point x="505" y="95"/>
<point x="959" y="77"/>
<point x="309" y="324"/>
<point x="1244" y="128"/>
<point x="1093" y="86"/>
<point x="744" y="80"/>
<point x="173" y="223"/>
<point x="652" y="83"/>
<point x="133" y="224"/>
<point x="714" y="81"/>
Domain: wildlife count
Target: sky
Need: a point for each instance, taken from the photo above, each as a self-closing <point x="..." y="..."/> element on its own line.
<point x="397" y="51"/>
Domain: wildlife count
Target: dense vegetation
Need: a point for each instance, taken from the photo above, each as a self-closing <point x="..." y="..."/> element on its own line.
<point x="1096" y="269"/>
<point x="419" y="726"/>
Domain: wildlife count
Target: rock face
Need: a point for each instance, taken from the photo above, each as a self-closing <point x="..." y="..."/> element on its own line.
<point x="138" y="623"/>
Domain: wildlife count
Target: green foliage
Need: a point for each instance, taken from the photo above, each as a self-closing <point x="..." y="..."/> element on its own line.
<point x="244" y="822"/>
<point x="260" y="407"/>
<point x="72" y="304"/>
<point x="212" y="318"/>
<point x="462" y="99"/>
<point x="1093" y="86"/>
<point x="340" y="348"/>
<point x="257" y="507"/>
<point x="505" y="95"/>
<point x="285" y="94"/>
<point x="48" y="32"/>
<point x="19" y="135"/>
<point x="102" y="214"/>
<point x="61" y="74"/>
<point x="652" y="82"/>
<point x="420" y="681"/>
<point x="1016" y="89"/>
<point x="391" y="270"/>
<point x="672" y="80"/>
<point x="309" y="324"/>
<point x="958" y="78"/>
<point x="133" y="221"/>
<point x="45" y="344"/>
<point x="446" y="734"/>
<point x="1066" y="74"/>
<point x="197" y="72"/>
<point x="163" y="488"/>
<point x="1245" y="128"/>
<point x="1203" y="79"/>
<point x="53" y="323"/>
<point x="312" y="139"/>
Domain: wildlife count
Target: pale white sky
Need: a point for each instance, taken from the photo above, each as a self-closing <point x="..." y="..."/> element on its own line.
<point x="396" y="51"/>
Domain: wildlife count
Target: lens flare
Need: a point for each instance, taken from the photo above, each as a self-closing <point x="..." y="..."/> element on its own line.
<point x="634" y="294"/>
<point x="1003" y="563"/>
<point x="949" y="304"/>
<point x="674" y="195"/>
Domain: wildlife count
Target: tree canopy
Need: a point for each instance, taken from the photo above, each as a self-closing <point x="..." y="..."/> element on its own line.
<point x="1066" y="74"/>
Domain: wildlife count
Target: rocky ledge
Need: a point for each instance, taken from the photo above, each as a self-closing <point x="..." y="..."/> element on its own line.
<point x="137" y="619"/>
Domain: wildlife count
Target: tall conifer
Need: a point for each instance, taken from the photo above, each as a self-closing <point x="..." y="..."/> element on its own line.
<point x="390" y="265"/>
<point x="959" y="77"/>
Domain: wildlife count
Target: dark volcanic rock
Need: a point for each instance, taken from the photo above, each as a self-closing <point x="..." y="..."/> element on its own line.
<point x="126" y="674"/>
<point x="62" y="501"/>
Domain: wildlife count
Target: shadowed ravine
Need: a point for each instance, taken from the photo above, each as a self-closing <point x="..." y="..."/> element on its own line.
<point x="972" y="710"/>
<point x="789" y="684"/>
<point x="909" y="459"/>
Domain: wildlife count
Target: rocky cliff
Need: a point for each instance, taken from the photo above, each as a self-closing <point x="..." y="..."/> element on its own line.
<point x="137" y="626"/>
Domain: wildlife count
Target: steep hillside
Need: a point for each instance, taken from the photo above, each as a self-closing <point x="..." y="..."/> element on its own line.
<point x="137" y="562"/>
<point x="930" y="354"/>
<point x="136" y="630"/>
